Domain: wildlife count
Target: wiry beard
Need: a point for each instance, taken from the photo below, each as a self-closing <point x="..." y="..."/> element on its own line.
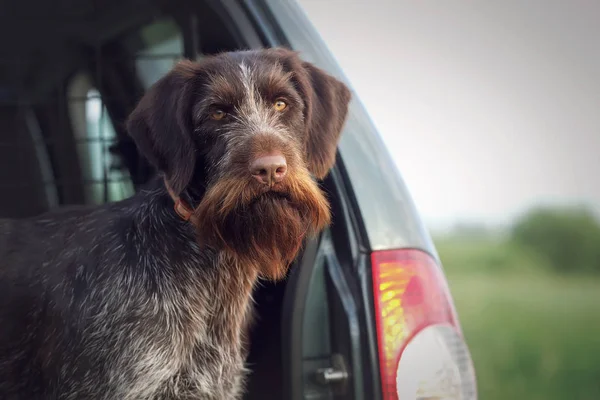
<point x="263" y="229"/>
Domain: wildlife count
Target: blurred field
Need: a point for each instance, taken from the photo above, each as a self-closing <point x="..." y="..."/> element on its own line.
<point x="533" y="334"/>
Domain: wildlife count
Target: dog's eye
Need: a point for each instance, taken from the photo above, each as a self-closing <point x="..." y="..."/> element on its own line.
<point x="279" y="105"/>
<point x="218" y="115"/>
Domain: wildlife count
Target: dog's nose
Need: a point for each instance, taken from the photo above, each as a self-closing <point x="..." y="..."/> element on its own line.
<point x="269" y="169"/>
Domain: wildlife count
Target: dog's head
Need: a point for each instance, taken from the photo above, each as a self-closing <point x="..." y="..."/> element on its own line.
<point x="244" y="133"/>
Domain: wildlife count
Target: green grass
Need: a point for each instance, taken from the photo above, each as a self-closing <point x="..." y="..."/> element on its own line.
<point x="532" y="334"/>
<point x="487" y="255"/>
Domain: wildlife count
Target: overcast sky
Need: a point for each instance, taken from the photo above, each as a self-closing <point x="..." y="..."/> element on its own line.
<point x="487" y="107"/>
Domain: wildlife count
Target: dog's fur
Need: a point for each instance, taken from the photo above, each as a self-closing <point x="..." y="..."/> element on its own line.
<point x="128" y="300"/>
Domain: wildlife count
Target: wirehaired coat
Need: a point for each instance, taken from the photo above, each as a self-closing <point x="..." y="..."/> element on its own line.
<point x="148" y="298"/>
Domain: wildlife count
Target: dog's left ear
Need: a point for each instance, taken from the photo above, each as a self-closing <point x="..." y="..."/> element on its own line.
<point x="326" y="101"/>
<point x="161" y="125"/>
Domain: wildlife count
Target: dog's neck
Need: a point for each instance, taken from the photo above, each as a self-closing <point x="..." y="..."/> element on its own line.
<point x="210" y="276"/>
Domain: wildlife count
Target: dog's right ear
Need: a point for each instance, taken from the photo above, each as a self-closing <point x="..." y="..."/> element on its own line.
<point x="161" y="125"/>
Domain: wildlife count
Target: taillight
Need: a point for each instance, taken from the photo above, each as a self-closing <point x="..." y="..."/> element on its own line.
<point x="422" y="354"/>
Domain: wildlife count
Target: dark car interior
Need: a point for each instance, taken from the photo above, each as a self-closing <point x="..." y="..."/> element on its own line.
<point x="70" y="73"/>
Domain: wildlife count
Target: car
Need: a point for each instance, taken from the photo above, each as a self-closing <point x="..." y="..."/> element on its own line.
<point x="365" y="313"/>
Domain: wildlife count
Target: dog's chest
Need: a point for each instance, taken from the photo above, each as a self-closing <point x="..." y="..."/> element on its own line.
<point x="202" y="357"/>
<point x="207" y="371"/>
<point x="210" y="372"/>
<point x="206" y="367"/>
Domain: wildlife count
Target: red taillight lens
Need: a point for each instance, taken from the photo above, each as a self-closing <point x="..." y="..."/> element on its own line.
<point x="411" y="294"/>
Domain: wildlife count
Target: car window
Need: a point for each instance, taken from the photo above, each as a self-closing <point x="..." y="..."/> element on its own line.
<point x="156" y="48"/>
<point x="94" y="133"/>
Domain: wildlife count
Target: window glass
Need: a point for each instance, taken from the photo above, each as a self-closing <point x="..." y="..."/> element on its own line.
<point x="94" y="134"/>
<point x="156" y="47"/>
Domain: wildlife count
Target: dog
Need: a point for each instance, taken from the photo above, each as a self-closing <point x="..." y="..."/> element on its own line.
<point x="149" y="298"/>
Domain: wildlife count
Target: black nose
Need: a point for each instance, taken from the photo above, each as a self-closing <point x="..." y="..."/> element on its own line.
<point x="269" y="169"/>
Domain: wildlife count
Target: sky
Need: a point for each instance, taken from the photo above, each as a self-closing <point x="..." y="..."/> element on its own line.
<point x="488" y="108"/>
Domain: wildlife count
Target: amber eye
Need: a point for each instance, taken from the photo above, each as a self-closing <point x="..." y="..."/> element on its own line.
<point x="279" y="105"/>
<point x="218" y="115"/>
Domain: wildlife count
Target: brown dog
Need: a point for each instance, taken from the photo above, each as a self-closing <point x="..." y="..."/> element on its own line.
<point x="143" y="300"/>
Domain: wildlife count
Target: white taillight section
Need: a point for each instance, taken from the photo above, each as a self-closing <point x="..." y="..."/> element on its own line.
<point x="436" y="364"/>
<point x="422" y="354"/>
